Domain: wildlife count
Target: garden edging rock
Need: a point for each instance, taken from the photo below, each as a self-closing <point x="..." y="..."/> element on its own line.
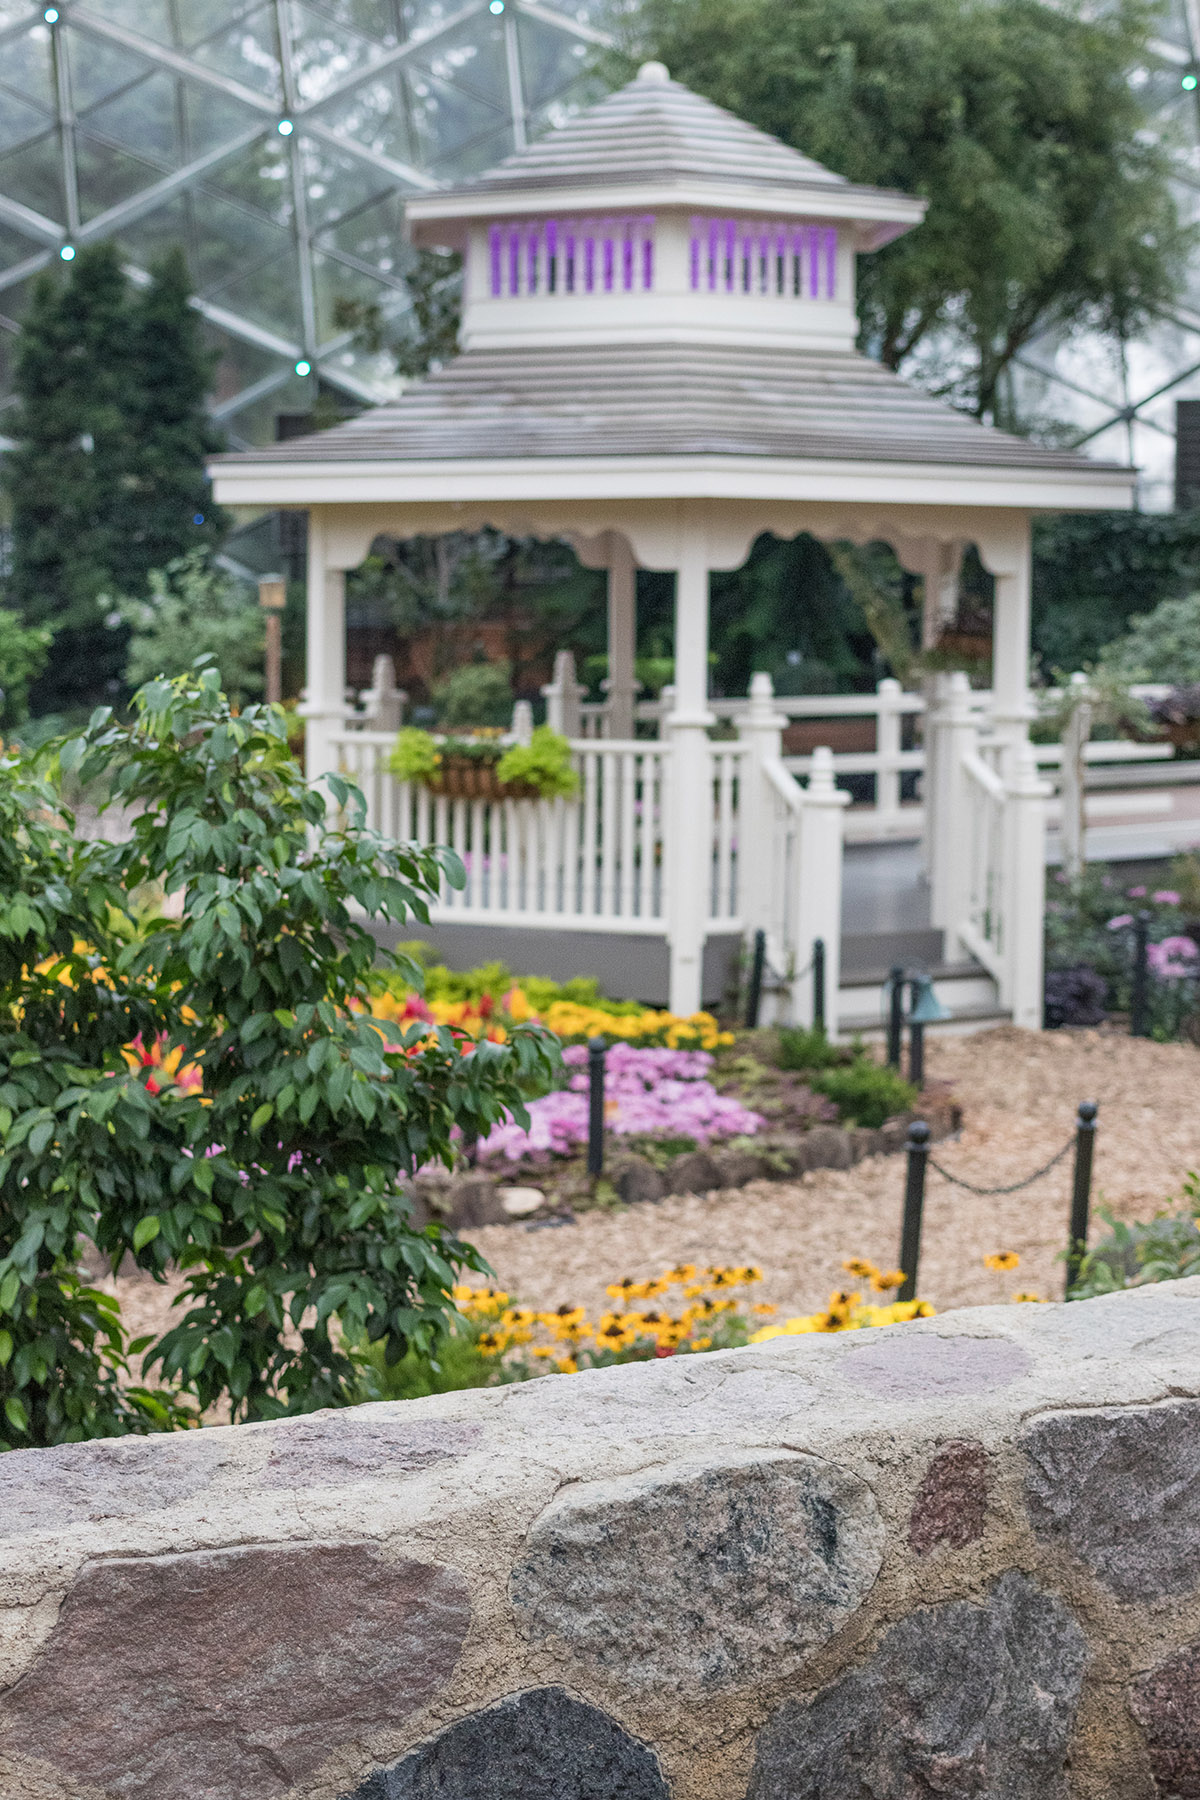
<point x="471" y="1199"/>
<point x="861" y="1567"/>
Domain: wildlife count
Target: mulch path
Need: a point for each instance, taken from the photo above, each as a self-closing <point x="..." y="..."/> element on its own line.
<point x="1019" y="1091"/>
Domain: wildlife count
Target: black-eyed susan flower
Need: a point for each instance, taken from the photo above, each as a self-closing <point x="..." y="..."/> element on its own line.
<point x="1003" y="1262"/>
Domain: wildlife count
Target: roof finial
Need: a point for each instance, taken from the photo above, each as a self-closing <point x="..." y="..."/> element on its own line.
<point x="654" y="71"/>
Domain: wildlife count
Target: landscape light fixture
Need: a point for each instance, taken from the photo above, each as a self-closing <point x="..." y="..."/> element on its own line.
<point x="497" y="6"/>
<point x="304" y="367"/>
<point x="285" y="128"/>
<point x="272" y="597"/>
<point x="1189" y="82"/>
<point x="67" y="253"/>
<point x="51" y="15"/>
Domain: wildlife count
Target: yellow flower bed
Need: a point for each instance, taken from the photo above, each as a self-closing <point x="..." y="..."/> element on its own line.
<point x="711" y="1317"/>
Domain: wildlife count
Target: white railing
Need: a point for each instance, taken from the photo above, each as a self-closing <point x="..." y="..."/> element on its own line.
<point x="594" y="860"/>
<point x="727" y="768"/>
<point x="982" y="930"/>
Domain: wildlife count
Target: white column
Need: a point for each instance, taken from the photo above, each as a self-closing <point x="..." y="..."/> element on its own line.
<point x="1011" y="707"/>
<point x="621" y="685"/>
<point x="760" y="728"/>
<point x="950" y="733"/>
<point x="690" y="806"/>
<point x="324" y="708"/>
<point x="1074" y="767"/>
<point x="938" y="565"/>
<point x="888" y="727"/>
<point x="1025" y="879"/>
<point x="819" y="902"/>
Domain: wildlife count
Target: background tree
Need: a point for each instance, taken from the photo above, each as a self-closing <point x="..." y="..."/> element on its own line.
<point x="107" y="477"/>
<point x="66" y="475"/>
<point x="1092" y="572"/>
<point x="23" y="653"/>
<point x="1050" y="205"/>
<point x="195" y="608"/>
<point x="169" y="510"/>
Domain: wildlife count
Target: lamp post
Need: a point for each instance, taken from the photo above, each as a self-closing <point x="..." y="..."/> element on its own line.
<point x="272" y="597"/>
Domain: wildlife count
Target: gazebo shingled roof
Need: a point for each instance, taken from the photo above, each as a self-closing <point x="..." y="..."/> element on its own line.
<point x="648" y="130"/>
<point x="682" y="400"/>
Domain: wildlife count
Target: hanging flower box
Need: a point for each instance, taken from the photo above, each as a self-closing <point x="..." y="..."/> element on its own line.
<point x="472" y="778"/>
<point x="485" y="768"/>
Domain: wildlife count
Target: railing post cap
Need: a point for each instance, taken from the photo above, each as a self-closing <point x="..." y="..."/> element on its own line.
<point x="919" y="1135"/>
<point x="1088" y="1110"/>
<point x="597" y="1046"/>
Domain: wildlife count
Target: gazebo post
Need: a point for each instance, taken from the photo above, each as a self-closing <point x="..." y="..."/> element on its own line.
<point x="1025" y="848"/>
<point x="621" y="685"/>
<point x="324" y="708"/>
<point x="689" y="821"/>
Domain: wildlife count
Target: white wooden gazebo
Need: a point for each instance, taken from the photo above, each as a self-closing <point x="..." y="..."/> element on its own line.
<point x="658" y="364"/>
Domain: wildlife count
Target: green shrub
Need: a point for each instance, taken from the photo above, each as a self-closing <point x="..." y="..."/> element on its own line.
<point x="456" y="1363"/>
<point x="803" y="1048"/>
<point x="477" y="694"/>
<point x="414" y="755"/>
<point x="544" y="762"/>
<point x="1165" y="1248"/>
<point x="865" y="1093"/>
<point x="273" y="1176"/>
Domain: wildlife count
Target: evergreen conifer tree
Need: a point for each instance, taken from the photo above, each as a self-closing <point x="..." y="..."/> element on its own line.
<point x="169" y="504"/>
<point x="67" y="475"/>
<point x="107" y="480"/>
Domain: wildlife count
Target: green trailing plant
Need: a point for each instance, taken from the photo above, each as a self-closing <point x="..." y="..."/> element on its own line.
<point x="206" y="1092"/>
<point x="544" y="762"/>
<point x="1165" y="1248"/>
<point x="414" y="755"/>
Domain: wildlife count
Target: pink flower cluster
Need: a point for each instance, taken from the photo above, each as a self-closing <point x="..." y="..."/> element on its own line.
<point x="1174" y="959"/>
<point x="647" y="1093"/>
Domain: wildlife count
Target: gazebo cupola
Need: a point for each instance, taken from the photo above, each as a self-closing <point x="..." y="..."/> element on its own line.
<point x="657" y="216"/>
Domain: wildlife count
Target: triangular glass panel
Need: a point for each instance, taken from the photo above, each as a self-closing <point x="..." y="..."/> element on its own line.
<point x="324" y="52"/>
<point x="19" y="121"/>
<point x="372" y="235"/>
<point x="149" y="18"/>
<point x="337" y="185"/>
<point x="27" y="69"/>
<point x="107" y="176"/>
<point x="100" y="70"/>
<point x="550" y="61"/>
<point x="245" y="51"/>
<point x="32" y="175"/>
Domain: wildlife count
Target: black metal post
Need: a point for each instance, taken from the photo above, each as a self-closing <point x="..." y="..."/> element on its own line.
<point x="595" y="1157"/>
<point x="914" y="1205"/>
<point x="1081" y="1192"/>
<point x="818" y="980"/>
<point x="754" y="991"/>
<point x="916" y="1053"/>
<point x="896" y="1016"/>
<point x="1139" y="1003"/>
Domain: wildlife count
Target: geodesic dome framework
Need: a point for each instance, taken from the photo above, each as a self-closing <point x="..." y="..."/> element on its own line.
<point x="276" y="140"/>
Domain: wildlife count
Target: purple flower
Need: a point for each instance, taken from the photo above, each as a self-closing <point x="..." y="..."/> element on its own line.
<point x="1137" y="893"/>
<point x="1120" y="922"/>
<point x="1174" y="959"/>
<point x="647" y="1093"/>
<point x="1165" y="897"/>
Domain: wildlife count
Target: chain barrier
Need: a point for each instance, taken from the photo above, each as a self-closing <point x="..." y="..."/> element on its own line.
<point x="1014" y="1187"/>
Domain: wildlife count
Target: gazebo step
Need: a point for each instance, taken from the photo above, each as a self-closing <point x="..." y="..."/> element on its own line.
<point x="966" y="990"/>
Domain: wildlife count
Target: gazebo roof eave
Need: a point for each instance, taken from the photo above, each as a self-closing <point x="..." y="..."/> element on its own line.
<point x="1029" y="488"/>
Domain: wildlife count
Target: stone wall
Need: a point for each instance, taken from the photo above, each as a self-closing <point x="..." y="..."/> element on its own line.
<point x="956" y="1558"/>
